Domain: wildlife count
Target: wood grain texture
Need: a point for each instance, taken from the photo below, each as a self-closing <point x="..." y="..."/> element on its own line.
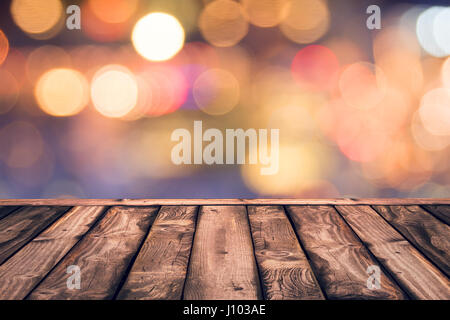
<point x="416" y="275"/>
<point x="210" y="202"/>
<point x="26" y="268"/>
<point x="159" y="271"/>
<point x="339" y="259"/>
<point x="439" y="211"/>
<point x="222" y="264"/>
<point x="103" y="256"/>
<point x="22" y="225"/>
<point x="284" y="268"/>
<point x="427" y="233"/>
<point x="4" y="211"/>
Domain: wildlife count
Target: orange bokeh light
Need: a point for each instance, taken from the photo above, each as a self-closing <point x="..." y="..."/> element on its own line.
<point x="4" y="46"/>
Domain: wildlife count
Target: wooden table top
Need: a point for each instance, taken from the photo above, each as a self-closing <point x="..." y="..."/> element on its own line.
<point x="208" y="249"/>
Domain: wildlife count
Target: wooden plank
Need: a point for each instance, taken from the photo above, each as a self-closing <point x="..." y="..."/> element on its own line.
<point x="22" y="272"/>
<point x="159" y="271"/>
<point x="216" y="202"/>
<point x="427" y="233"/>
<point x="339" y="259"/>
<point x="222" y="264"/>
<point x="4" y="211"/>
<point x="284" y="268"/>
<point x="103" y="256"/>
<point x="21" y="226"/>
<point x="439" y="211"/>
<point x="416" y="275"/>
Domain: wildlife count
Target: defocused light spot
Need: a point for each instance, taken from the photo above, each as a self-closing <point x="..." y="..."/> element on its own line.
<point x="216" y="92"/>
<point x="435" y="111"/>
<point x="424" y="138"/>
<point x="4" y="47"/>
<point x="9" y="91"/>
<point x="301" y="165"/>
<point x="441" y="28"/>
<point x="315" y="67"/>
<point x="114" y="91"/>
<point x="347" y="51"/>
<point x="37" y="18"/>
<point x="100" y="30"/>
<point x="266" y="13"/>
<point x="45" y="58"/>
<point x="397" y="39"/>
<point x="360" y="86"/>
<point x="426" y="34"/>
<point x="186" y="11"/>
<point x="158" y="36"/>
<point x="166" y="89"/>
<point x="445" y="73"/>
<point x="62" y="92"/>
<point x="21" y="144"/>
<point x="223" y="23"/>
<point x="306" y="20"/>
<point x="113" y="11"/>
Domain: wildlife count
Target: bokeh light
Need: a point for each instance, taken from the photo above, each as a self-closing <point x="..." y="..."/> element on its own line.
<point x="62" y="92"/>
<point x="39" y="19"/>
<point x="361" y="85"/>
<point x="114" y="91"/>
<point x="186" y="11"/>
<point x="166" y="89"/>
<point x="216" y="92"/>
<point x="158" y="36"/>
<point x="426" y="31"/>
<point x="44" y="58"/>
<point x="435" y="111"/>
<point x="441" y="26"/>
<point x="426" y="139"/>
<point x="301" y="167"/>
<point x="223" y="23"/>
<point x="98" y="29"/>
<point x="315" y="68"/>
<point x="113" y="11"/>
<point x="4" y="46"/>
<point x="445" y="73"/>
<point x="306" y="20"/>
<point x="9" y="91"/>
<point x="266" y="13"/>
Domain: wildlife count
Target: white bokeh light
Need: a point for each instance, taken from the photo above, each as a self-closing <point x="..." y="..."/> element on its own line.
<point x="158" y="36"/>
<point x="425" y="30"/>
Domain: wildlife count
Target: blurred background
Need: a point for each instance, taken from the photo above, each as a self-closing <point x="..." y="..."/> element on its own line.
<point x="89" y="113"/>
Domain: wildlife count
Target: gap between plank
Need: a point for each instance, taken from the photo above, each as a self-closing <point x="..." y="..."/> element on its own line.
<point x="410" y="242"/>
<point x="386" y="270"/>
<point x="305" y="252"/>
<point x="190" y="251"/>
<point x="100" y="217"/>
<point x="133" y="259"/>
<point x="37" y="235"/>
<point x="258" y="270"/>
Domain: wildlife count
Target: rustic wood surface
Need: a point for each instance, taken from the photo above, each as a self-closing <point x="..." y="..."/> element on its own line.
<point x="284" y="268"/>
<point x="103" y="255"/>
<point x="212" y="202"/>
<point x="225" y="248"/>
<point x="338" y="257"/>
<point x="23" y="225"/>
<point x="419" y="277"/>
<point x="160" y="268"/>
<point x="439" y="211"/>
<point x="222" y="263"/>
<point x="24" y="270"/>
<point x="427" y="233"/>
